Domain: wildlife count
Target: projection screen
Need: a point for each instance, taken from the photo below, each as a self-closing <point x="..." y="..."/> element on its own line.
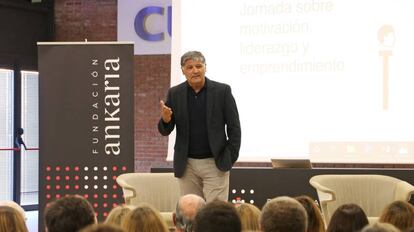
<point x="327" y="80"/>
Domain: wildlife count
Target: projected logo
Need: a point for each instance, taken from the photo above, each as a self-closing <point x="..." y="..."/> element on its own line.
<point x="386" y="38"/>
<point x="148" y="24"/>
<point x="141" y="25"/>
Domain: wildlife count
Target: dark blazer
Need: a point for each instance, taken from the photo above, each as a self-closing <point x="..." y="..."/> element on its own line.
<point x="221" y="112"/>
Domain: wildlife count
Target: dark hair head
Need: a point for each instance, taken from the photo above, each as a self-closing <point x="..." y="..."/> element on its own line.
<point x="315" y="219"/>
<point x="348" y="218"/>
<point x="400" y="214"/>
<point x="283" y="214"/>
<point x="217" y="216"/>
<point x="68" y="214"/>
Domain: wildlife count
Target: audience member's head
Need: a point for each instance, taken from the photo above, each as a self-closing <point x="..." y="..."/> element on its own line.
<point x="15" y="206"/>
<point x="144" y="218"/>
<point x="380" y="227"/>
<point x="347" y="218"/>
<point x="69" y="214"/>
<point x="102" y="228"/>
<point x="249" y="217"/>
<point x="400" y="214"/>
<point x="283" y="214"/>
<point x="315" y="219"/>
<point x="117" y="215"/>
<point x="186" y="210"/>
<point x="11" y="220"/>
<point x="217" y="216"/>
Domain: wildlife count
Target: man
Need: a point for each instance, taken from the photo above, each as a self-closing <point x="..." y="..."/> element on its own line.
<point x="186" y="210"/>
<point x="217" y="216"/>
<point x="69" y="214"/>
<point x="208" y="131"/>
<point x="283" y="214"/>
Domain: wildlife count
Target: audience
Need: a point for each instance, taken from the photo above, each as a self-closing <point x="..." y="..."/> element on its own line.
<point x="283" y="214"/>
<point x="249" y="217"/>
<point x="186" y="210"/>
<point x="217" y="216"/>
<point x="347" y="218"/>
<point x="69" y="214"/>
<point x="74" y="213"/>
<point x="380" y="227"/>
<point x="11" y="220"/>
<point x="102" y="228"/>
<point x="144" y="218"/>
<point x="400" y="214"/>
<point x="117" y="215"/>
<point x="315" y="219"/>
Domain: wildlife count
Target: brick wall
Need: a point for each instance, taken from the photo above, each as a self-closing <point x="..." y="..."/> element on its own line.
<point x="152" y="80"/>
<point x="96" y="20"/>
<point x="77" y="20"/>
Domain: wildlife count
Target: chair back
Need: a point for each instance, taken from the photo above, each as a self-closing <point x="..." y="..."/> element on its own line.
<point x="371" y="192"/>
<point x="160" y="190"/>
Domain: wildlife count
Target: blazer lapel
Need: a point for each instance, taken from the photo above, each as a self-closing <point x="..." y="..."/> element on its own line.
<point x="183" y="103"/>
<point x="210" y="100"/>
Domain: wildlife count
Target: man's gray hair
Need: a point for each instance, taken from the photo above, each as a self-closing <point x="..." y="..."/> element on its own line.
<point x="380" y="227"/>
<point x="183" y="221"/>
<point x="192" y="55"/>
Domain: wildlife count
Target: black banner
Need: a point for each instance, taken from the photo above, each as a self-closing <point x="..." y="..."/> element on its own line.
<point x="86" y="121"/>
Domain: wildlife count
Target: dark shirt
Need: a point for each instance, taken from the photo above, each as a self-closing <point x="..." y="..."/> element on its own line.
<point x="199" y="147"/>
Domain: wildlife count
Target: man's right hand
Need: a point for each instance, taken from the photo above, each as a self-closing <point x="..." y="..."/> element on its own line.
<point x="166" y="112"/>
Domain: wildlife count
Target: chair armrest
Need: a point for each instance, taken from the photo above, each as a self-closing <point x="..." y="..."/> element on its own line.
<point x="129" y="191"/>
<point x="325" y="194"/>
<point x="403" y="191"/>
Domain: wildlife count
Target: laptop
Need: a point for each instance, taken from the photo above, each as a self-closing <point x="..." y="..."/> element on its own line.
<point x="291" y="163"/>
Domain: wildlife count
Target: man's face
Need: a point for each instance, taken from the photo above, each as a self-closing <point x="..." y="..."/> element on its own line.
<point x="195" y="72"/>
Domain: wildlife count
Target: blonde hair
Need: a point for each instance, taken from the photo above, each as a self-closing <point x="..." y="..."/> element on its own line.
<point x="398" y="213"/>
<point x="249" y="216"/>
<point x="117" y="215"/>
<point x="102" y="228"/>
<point x="144" y="218"/>
<point x="15" y="206"/>
<point x="11" y="220"/>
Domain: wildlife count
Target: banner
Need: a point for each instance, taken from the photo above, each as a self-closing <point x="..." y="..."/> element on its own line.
<point x="86" y="109"/>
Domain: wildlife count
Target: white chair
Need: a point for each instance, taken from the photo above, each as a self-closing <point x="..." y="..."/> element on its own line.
<point x="161" y="190"/>
<point x="371" y="192"/>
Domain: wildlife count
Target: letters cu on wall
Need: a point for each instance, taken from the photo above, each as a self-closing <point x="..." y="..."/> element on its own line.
<point x="147" y="24"/>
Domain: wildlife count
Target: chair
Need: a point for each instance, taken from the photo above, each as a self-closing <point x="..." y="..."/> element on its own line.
<point x="371" y="192"/>
<point x="161" y="190"/>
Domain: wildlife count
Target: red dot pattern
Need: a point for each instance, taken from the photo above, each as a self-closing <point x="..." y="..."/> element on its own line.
<point x="99" y="187"/>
